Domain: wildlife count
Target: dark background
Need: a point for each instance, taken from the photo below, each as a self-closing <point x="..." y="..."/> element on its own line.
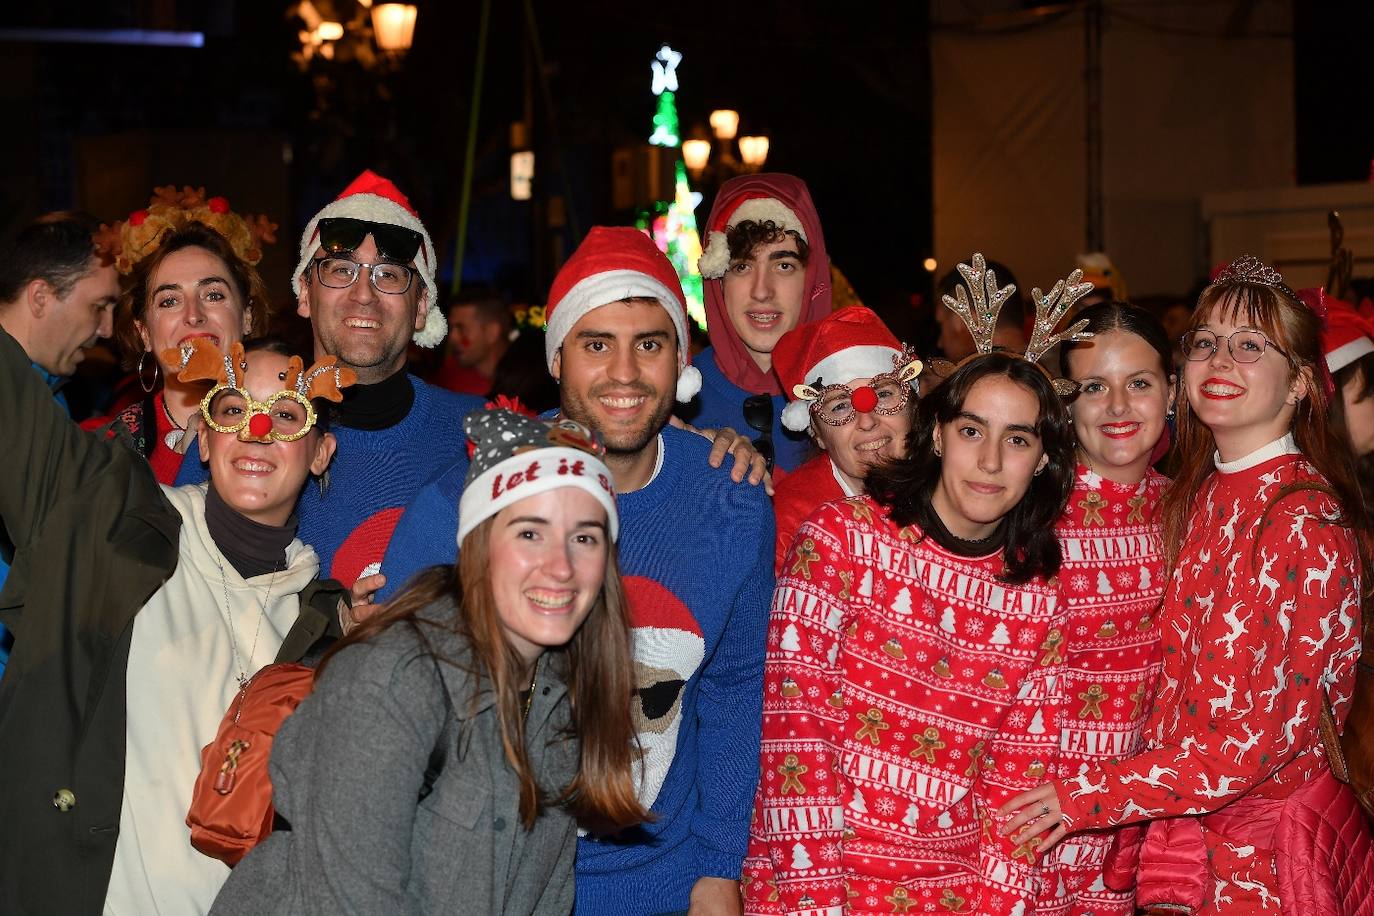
<point x="842" y="90"/>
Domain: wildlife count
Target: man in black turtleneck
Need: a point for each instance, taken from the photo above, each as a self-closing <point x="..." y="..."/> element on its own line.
<point x="366" y="282"/>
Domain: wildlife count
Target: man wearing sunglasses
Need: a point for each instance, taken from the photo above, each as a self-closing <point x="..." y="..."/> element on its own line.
<point x="765" y="272"/>
<point x="366" y="282"/>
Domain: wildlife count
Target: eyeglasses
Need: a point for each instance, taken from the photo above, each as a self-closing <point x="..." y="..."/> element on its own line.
<point x="1244" y="346"/>
<point x="341" y="273"/>
<point x="839" y="404"/>
<point x="284" y="417"/>
<point x="758" y="413"/>
<point x="342" y="233"/>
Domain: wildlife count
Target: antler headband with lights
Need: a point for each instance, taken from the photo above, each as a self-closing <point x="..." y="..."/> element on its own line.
<point x="200" y="360"/>
<point x="978" y="301"/>
<point x="170" y="210"/>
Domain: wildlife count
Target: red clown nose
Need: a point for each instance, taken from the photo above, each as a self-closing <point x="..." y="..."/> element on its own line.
<point x="864" y="399"/>
<point x="260" y="426"/>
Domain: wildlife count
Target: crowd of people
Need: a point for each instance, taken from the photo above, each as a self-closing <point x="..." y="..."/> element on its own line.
<point x="812" y="622"/>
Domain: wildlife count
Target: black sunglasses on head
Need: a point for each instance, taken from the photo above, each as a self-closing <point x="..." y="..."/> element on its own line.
<point x="758" y="413"/>
<point x="344" y="233"/>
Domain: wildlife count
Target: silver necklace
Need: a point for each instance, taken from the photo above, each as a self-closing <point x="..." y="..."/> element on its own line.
<point x="229" y="619"/>
<point x="175" y="434"/>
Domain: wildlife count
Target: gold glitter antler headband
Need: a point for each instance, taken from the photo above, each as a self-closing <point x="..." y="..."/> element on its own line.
<point x="980" y="315"/>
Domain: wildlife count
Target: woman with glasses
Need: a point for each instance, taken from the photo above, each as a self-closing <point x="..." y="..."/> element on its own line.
<point x="1112" y="577"/>
<point x="189" y="272"/>
<point x="852" y="386"/>
<point x="907" y="627"/>
<point x="139" y="612"/>
<point x="1260" y="629"/>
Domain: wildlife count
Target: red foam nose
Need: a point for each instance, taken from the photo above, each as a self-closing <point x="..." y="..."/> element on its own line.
<point x="260" y="425"/>
<point x="864" y="399"/>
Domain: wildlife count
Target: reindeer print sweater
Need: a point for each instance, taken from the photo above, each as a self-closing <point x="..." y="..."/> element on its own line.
<point x="892" y="666"/>
<point x="1260" y="619"/>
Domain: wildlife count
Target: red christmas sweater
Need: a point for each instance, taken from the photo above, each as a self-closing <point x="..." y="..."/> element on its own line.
<point x="799" y="494"/>
<point x="1260" y="619"/>
<point x="1112" y="580"/>
<point x="892" y="664"/>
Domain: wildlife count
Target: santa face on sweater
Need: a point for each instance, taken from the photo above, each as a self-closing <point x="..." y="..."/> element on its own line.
<point x="1245" y="405"/>
<point x="1122" y="400"/>
<point x="263" y="480"/>
<point x="367" y="330"/>
<point x="990" y="452"/>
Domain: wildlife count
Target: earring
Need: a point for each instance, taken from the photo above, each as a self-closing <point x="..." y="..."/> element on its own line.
<point x="1037" y="471"/>
<point x="147" y="386"/>
<point x="1169" y="414"/>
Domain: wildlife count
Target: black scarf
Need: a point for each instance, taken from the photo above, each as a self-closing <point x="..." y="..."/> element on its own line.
<point x="252" y="548"/>
<point x="377" y="406"/>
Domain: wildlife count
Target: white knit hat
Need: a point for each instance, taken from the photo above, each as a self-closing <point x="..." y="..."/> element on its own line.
<point x="373" y="198"/>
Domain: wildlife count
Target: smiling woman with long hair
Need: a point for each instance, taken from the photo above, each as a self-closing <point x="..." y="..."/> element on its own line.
<point x="907" y="626"/>
<point x="1260" y="628"/>
<point x="456" y="738"/>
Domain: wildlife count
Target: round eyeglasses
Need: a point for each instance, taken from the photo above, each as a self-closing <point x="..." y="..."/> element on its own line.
<point x="284" y="417"/>
<point x="839" y="404"/>
<point x="341" y="273"/>
<point x="1244" y="346"/>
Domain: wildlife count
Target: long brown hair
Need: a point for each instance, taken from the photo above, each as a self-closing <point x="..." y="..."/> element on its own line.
<point x="1296" y="330"/>
<point x="600" y="682"/>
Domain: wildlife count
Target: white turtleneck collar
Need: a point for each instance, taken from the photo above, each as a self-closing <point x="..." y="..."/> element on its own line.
<point x="1284" y="446"/>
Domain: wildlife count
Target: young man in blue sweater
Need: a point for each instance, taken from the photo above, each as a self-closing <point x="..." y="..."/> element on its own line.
<point x="696" y="557"/>
<point x="764" y="272"/>
<point x="366" y="282"/>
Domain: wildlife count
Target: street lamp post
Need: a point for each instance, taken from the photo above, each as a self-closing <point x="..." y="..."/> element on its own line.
<point x="707" y="170"/>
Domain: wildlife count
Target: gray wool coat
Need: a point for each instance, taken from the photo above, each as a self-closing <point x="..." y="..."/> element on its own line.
<point x="347" y="769"/>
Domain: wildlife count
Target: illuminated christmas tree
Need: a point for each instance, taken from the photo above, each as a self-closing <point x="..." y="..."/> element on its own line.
<point x="673" y="224"/>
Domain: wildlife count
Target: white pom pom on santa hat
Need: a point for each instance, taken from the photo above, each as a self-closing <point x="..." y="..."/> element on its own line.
<point x="754" y="206"/>
<point x="611" y="264"/>
<point x="373" y="198"/>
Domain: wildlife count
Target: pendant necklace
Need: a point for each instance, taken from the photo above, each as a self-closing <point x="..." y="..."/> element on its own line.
<point x="175" y="434"/>
<point x="229" y="619"/>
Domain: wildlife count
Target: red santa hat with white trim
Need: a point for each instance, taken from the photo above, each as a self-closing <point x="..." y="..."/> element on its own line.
<point x="848" y="344"/>
<point x="1348" y="335"/>
<point x="375" y="199"/>
<point x="754" y="206"/>
<point x="611" y="264"/>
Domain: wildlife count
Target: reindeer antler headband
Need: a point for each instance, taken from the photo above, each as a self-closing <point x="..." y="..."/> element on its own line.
<point x="200" y="360"/>
<point x="978" y="301"/>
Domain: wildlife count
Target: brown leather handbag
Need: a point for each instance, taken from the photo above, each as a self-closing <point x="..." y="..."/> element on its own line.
<point x="1351" y="752"/>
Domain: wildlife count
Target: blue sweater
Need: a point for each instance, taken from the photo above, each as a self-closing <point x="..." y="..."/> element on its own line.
<point x="375" y="474"/>
<point x="696" y="557"/>
<point x="721" y="403"/>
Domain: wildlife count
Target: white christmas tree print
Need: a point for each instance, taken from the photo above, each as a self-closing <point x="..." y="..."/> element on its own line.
<point x="1037" y="724"/>
<point x="800" y="859"/>
<point x="1019" y="909"/>
<point x="832" y="619"/>
<point x="1000" y="636"/>
<point x="911" y="815"/>
<point x="1144" y="578"/>
<point x="947" y="620"/>
<point x="832" y="654"/>
<point x="866" y="584"/>
<point x="857" y="803"/>
<point x="791" y="642"/>
<point x="902" y="603"/>
<point x="944" y="821"/>
<point x="1104" y="585"/>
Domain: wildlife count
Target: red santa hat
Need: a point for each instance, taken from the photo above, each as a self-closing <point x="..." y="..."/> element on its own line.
<point x="611" y="264"/>
<point x="753" y="206"/>
<point x="1348" y="335"/>
<point x="848" y="344"/>
<point x="373" y="198"/>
